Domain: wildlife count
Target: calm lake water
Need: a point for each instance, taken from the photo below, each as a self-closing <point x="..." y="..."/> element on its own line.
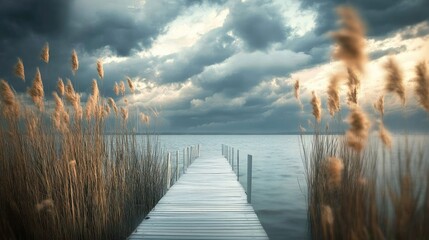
<point x="279" y="187"/>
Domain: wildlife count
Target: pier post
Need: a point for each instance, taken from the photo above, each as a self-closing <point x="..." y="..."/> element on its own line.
<point x="238" y="165"/>
<point x="183" y="162"/>
<point x="177" y="165"/>
<point x="249" y="178"/>
<point x="168" y="171"/>
<point x="232" y="160"/>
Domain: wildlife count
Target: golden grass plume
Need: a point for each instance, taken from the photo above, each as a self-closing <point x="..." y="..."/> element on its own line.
<point x="350" y="39"/>
<point x="10" y="105"/>
<point x="333" y="94"/>
<point x="317" y="106"/>
<point x="379" y="106"/>
<point x="36" y="91"/>
<point x="122" y="88"/>
<point x="45" y="53"/>
<point x="19" y="69"/>
<point x="100" y="69"/>
<point x="124" y="113"/>
<point x="144" y="118"/>
<point x="116" y="89"/>
<point x="60" y="87"/>
<point x="74" y="62"/>
<point x="422" y="85"/>
<point x="394" y="79"/>
<point x="113" y="105"/>
<point x="357" y="134"/>
<point x="130" y="84"/>
<point x="334" y="168"/>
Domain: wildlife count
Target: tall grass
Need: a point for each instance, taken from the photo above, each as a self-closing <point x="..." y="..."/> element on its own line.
<point x="360" y="185"/>
<point x="62" y="177"/>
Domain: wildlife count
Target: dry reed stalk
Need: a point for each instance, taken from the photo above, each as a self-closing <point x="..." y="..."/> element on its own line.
<point x="9" y="102"/>
<point x="74" y="62"/>
<point x="122" y="88"/>
<point x="116" y="89"/>
<point x="36" y="91"/>
<point x="357" y="135"/>
<point x="113" y="105"/>
<point x="60" y="87"/>
<point x="334" y="167"/>
<point x="45" y="53"/>
<point x="333" y="94"/>
<point x="130" y="84"/>
<point x="100" y="69"/>
<point x="144" y="118"/>
<point x="422" y="85"/>
<point x="379" y="106"/>
<point x="296" y="88"/>
<point x="350" y="39"/>
<point x="384" y="135"/>
<point x="19" y="69"/>
<point x="394" y="79"/>
<point x="317" y="106"/>
<point x="124" y="113"/>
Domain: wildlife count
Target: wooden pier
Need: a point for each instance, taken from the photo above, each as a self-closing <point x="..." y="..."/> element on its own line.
<point x="207" y="202"/>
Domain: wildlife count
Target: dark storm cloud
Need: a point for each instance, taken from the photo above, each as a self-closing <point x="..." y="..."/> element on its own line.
<point x="381" y="16"/>
<point x="91" y="27"/>
<point x="257" y="23"/>
<point x="243" y="71"/>
<point x="19" y="19"/>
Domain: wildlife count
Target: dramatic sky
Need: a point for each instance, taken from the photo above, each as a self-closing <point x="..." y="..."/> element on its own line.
<point x="214" y="66"/>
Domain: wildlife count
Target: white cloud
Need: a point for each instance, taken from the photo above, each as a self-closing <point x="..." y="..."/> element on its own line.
<point x="187" y="29"/>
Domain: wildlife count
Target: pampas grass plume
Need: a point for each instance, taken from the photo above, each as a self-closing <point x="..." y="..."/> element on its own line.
<point x="9" y="101"/>
<point x="19" y="69"/>
<point x="36" y="91"/>
<point x="60" y="86"/>
<point x="379" y="105"/>
<point x="122" y="88"/>
<point x="74" y="62"/>
<point x="333" y="95"/>
<point x="317" y="106"/>
<point x="45" y="53"/>
<point x="124" y="113"/>
<point x="100" y="69"/>
<point x="334" y="169"/>
<point x="422" y="85"/>
<point x="394" y="79"/>
<point x="130" y="84"/>
<point x="116" y="89"/>
<point x="113" y="105"/>
<point x="144" y="118"/>
<point x="357" y="134"/>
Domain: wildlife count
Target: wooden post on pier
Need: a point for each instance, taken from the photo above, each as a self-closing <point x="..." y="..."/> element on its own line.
<point x="238" y="165"/>
<point x="183" y="162"/>
<point x="177" y="165"/>
<point x="168" y="171"/>
<point x="249" y="178"/>
<point x="232" y="160"/>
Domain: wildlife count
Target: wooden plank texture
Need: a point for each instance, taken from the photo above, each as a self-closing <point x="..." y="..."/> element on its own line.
<point x="206" y="203"/>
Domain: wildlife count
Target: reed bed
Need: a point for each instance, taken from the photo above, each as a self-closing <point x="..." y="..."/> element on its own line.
<point x="362" y="185"/>
<point x="62" y="176"/>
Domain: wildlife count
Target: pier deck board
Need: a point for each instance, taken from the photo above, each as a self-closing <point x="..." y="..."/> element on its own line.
<point x="206" y="203"/>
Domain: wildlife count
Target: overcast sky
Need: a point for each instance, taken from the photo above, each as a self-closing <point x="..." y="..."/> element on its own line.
<point x="214" y="66"/>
